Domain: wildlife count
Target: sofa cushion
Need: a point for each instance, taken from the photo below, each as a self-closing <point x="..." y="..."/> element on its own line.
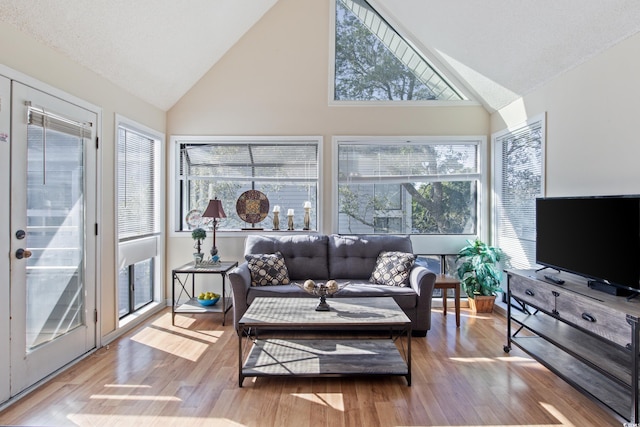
<point x="305" y="255"/>
<point x="392" y="268"/>
<point x="268" y="269"/>
<point x="354" y="257"/>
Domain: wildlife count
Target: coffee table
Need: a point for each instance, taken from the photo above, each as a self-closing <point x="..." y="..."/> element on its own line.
<point x="318" y="357"/>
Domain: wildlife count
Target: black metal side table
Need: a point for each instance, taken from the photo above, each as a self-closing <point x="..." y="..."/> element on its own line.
<point x="191" y="305"/>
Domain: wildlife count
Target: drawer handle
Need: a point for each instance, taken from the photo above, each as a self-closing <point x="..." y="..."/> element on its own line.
<point x="529" y="292"/>
<point x="588" y="317"/>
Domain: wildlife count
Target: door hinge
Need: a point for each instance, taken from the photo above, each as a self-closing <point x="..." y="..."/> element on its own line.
<point x="96" y="229"/>
<point x="95" y="315"/>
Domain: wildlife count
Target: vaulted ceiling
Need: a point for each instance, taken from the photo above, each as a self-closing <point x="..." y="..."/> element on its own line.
<point x="498" y="49"/>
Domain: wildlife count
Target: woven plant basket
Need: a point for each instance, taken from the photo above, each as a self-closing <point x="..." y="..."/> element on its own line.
<point x="482" y="303"/>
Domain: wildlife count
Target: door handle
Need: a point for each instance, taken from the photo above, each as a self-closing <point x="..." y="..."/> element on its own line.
<point x="23" y="253"/>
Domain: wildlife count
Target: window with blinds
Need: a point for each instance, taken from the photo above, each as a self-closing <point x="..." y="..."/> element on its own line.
<point x="518" y="180"/>
<point x="285" y="169"/>
<point x="426" y="185"/>
<point x="138" y="177"/>
<point x="140" y="237"/>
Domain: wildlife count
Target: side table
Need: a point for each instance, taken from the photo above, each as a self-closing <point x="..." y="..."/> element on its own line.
<point x="188" y="271"/>
<point x="445" y="282"/>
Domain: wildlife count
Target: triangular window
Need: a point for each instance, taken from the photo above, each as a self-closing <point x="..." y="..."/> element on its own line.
<point x="374" y="63"/>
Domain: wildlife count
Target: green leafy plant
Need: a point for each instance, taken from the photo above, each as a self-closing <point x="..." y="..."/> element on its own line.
<point x="198" y="234"/>
<point x="478" y="268"/>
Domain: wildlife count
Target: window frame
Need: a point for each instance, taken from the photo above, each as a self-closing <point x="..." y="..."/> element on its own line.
<point x="438" y="66"/>
<point x="174" y="211"/>
<point x="131" y="251"/>
<point x="497" y="170"/>
<point x="424" y="243"/>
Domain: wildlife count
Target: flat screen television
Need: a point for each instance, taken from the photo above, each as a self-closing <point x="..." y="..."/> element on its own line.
<point x="594" y="237"/>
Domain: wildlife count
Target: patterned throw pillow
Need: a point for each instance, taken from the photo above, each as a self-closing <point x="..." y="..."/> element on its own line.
<point x="392" y="268"/>
<point x="267" y="269"/>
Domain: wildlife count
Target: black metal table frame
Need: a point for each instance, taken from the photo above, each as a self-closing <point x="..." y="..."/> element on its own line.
<point x="189" y="271"/>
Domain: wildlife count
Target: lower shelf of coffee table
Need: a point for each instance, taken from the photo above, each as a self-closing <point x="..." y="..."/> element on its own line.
<point x="324" y="357"/>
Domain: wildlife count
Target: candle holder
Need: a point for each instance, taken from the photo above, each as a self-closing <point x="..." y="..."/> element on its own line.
<point x="276" y="217"/>
<point x="307" y="216"/>
<point x="290" y="219"/>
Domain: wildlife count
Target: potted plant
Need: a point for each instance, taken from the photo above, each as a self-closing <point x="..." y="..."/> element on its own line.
<point x="480" y="274"/>
<point x="198" y="234"/>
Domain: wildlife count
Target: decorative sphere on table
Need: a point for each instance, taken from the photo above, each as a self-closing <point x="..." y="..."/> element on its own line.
<point x="332" y="286"/>
<point x="309" y="285"/>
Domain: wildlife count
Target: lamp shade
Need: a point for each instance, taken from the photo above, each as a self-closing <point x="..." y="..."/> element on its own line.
<point x="214" y="209"/>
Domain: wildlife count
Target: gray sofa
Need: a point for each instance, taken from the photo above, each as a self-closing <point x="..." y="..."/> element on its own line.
<point x="342" y="258"/>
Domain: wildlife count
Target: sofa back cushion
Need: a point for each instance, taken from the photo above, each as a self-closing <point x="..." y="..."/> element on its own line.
<point x="305" y="255"/>
<point x="354" y="257"/>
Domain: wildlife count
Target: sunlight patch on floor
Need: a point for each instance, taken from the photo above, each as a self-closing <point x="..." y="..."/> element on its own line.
<point x="172" y="343"/>
<point x="556" y="414"/>
<point x="518" y="360"/>
<point x="135" y="397"/>
<point x="127" y="386"/>
<point x="332" y="400"/>
<point x="473" y="359"/>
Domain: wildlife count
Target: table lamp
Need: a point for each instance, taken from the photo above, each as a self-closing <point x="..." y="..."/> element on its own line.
<point x="214" y="210"/>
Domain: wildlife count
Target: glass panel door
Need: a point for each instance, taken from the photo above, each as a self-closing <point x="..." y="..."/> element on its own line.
<point x="53" y="167"/>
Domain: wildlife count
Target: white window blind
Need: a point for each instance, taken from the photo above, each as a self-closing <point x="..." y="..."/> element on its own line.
<point x="138" y="207"/>
<point x="519" y="179"/>
<point x="47" y="120"/>
<point x="418" y="186"/>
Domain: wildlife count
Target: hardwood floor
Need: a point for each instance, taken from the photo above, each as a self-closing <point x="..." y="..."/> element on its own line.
<point x="161" y="375"/>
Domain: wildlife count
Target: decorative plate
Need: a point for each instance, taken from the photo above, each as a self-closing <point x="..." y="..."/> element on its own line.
<point x="252" y="206"/>
<point x="194" y="218"/>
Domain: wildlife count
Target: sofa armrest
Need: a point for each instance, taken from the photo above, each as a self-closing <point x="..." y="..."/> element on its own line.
<point x="240" y="278"/>
<point x="422" y="281"/>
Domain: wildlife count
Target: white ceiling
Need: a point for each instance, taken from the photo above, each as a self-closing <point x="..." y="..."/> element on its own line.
<point x="499" y="49"/>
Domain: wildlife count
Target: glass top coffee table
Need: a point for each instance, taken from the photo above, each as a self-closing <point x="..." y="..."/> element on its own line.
<point x="324" y="356"/>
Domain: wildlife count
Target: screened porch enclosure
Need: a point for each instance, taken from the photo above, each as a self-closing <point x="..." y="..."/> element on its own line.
<point x="285" y="171"/>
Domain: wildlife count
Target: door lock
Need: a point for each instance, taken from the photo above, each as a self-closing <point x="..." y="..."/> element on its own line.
<point x="23" y="253"/>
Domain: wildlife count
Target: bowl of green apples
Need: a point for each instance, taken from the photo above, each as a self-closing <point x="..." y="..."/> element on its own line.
<point x="208" y="298"/>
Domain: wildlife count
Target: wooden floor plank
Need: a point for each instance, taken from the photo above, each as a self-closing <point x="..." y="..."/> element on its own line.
<point x="159" y="374"/>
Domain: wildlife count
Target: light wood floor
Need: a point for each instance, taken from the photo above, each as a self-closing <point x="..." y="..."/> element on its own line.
<point x="161" y="375"/>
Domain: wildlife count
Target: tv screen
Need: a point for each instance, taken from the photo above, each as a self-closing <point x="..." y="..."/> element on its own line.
<point x="595" y="237"/>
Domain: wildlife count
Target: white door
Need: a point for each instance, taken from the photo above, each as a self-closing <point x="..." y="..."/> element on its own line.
<point x="52" y="232"/>
<point x="5" y="125"/>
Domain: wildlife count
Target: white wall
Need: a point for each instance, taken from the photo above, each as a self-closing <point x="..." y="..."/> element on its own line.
<point x="27" y="56"/>
<point x="592" y="145"/>
<point x="274" y="81"/>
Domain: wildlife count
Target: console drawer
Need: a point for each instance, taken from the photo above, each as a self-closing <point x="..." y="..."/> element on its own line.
<point x="594" y="317"/>
<point x="533" y="292"/>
